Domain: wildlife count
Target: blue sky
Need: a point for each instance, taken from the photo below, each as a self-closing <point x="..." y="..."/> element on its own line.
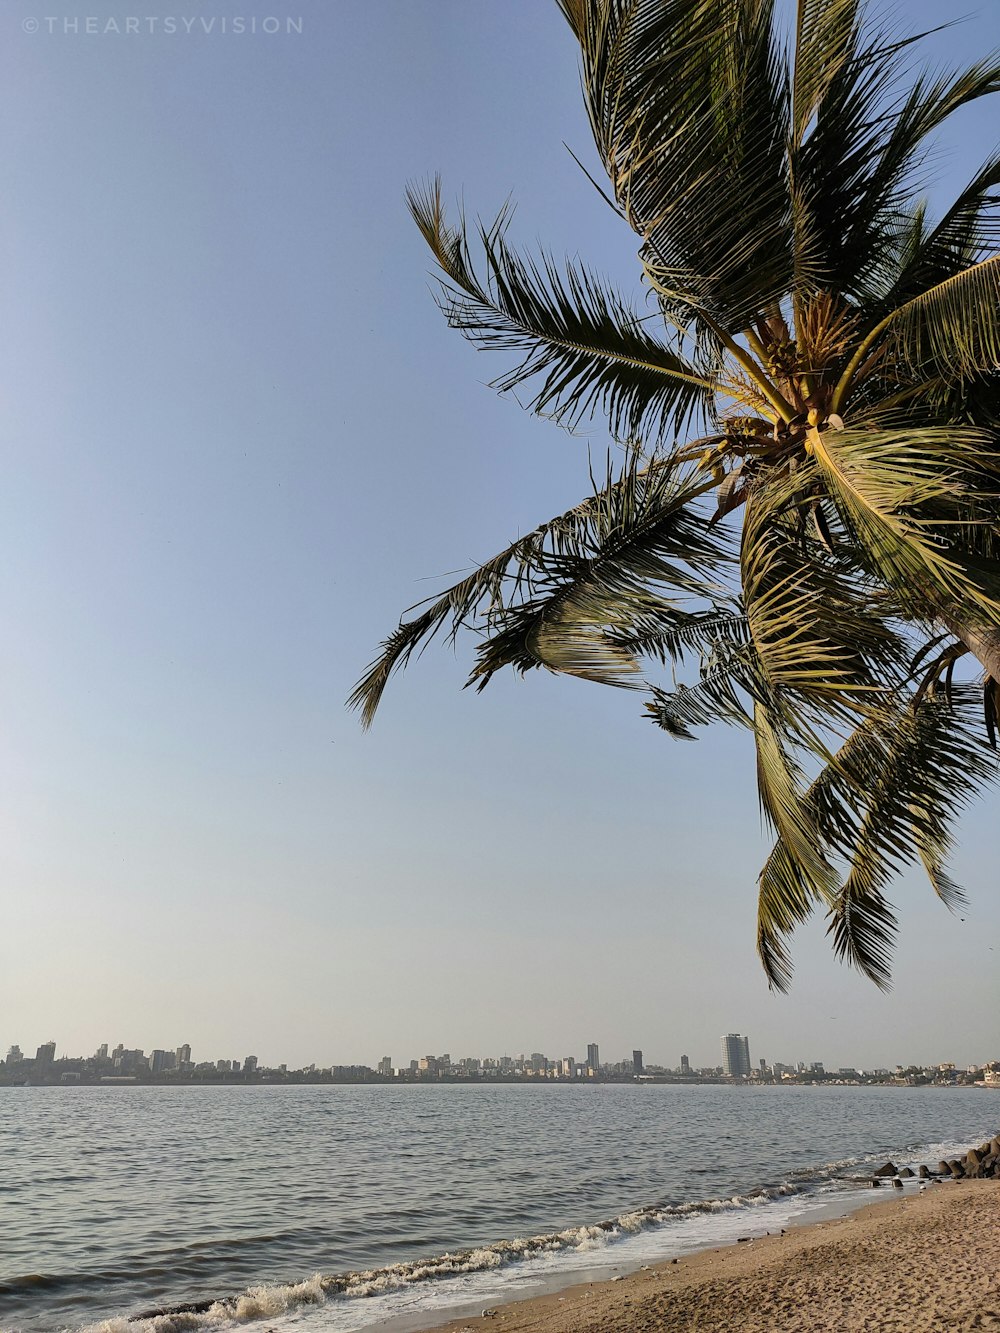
<point x="238" y="440"/>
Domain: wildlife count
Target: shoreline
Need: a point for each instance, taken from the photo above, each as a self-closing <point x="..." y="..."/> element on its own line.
<point x="924" y="1261"/>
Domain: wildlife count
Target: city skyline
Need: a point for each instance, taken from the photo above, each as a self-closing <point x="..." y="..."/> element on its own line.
<point x="735" y="1061"/>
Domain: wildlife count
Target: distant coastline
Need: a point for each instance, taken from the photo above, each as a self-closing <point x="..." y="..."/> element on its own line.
<point x="266" y="1078"/>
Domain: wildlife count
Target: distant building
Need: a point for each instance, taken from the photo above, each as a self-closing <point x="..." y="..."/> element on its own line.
<point x="45" y="1055"/>
<point x="250" y="1065"/>
<point x="637" y="1062"/>
<point x="568" y="1066"/>
<point x="735" y="1056"/>
<point x="15" y="1055"/>
<point x="183" y="1056"/>
<point x="160" y="1061"/>
<point x="102" y="1051"/>
<point x="685" y="1065"/>
<point x="385" y="1066"/>
<point x="130" y="1062"/>
<point x="593" y="1058"/>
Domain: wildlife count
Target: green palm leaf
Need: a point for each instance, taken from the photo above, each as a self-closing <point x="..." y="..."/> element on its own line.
<point x="644" y="541"/>
<point x="967" y="234"/>
<point x="817" y="633"/>
<point x="688" y="101"/>
<point x="887" y="800"/>
<point x="907" y="498"/>
<point x="589" y="350"/>
<point x="953" y="329"/>
<point x="550" y="598"/>
<point x="825" y="37"/>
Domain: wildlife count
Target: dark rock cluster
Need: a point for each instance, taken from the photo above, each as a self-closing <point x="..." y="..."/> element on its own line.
<point x="982" y="1162"/>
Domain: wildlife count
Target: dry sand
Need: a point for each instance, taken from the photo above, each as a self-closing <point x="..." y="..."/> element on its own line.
<point x="931" y="1261"/>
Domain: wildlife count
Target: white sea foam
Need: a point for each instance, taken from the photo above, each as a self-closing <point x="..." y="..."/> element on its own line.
<point x="355" y="1300"/>
<point x="348" y="1302"/>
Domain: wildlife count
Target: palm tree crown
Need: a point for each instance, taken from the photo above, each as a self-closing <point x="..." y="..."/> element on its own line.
<point x="807" y="511"/>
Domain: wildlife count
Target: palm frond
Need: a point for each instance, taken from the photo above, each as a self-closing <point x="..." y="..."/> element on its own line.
<point x="637" y="527"/>
<point x="967" y="234"/>
<point x="723" y="692"/>
<point x="818" y="634"/>
<point x="588" y="349"/>
<point x="688" y="101"/>
<point x="801" y="874"/>
<point x="855" y="172"/>
<point x="825" y="36"/>
<point x="930" y="102"/>
<point x="670" y="635"/>
<point x="841" y="232"/>
<point x="933" y="760"/>
<point x="888" y="799"/>
<point x="646" y="546"/>
<point x="909" y="500"/>
<point x="953" y="329"/>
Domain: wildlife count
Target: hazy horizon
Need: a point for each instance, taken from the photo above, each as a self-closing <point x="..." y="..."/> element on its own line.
<point x="239" y="441"/>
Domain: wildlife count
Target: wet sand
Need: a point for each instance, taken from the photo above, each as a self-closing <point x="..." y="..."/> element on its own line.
<point x="927" y="1262"/>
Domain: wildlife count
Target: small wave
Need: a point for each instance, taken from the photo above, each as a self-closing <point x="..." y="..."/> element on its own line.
<point x="255" y="1303"/>
<point x="269" y="1301"/>
<point x="272" y="1301"/>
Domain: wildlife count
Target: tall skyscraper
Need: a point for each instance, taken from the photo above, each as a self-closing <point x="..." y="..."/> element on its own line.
<point x="735" y="1056"/>
<point x="637" y="1062"/>
<point x="183" y="1056"/>
<point x="593" y="1058"/>
<point x="45" y="1055"/>
<point x="685" y="1065"/>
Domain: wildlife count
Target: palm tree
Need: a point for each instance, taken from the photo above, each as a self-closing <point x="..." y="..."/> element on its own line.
<point x="806" y="511"/>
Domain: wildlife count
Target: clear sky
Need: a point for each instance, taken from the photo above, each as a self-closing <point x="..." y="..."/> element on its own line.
<point x="237" y="441"/>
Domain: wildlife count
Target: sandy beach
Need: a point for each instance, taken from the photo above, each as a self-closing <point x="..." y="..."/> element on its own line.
<point x="927" y="1262"/>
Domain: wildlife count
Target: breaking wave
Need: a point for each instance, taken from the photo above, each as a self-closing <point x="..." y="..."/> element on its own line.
<point x="464" y="1274"/>
<point x="266" y="1302"/>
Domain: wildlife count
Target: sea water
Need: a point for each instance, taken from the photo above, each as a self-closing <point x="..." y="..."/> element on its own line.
<point x="336" y="1208"/>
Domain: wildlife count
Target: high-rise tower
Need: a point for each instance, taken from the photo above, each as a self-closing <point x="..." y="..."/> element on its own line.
<point x="735" y="1056"/>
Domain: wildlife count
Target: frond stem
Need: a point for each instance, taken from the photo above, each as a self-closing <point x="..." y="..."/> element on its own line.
<point x="756" y="373"/>
<point x="846" y="380"/>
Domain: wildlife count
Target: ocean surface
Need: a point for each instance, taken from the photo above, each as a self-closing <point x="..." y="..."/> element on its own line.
<point x="333" y="1209"/>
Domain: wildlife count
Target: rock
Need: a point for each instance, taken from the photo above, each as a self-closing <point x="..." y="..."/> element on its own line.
<point x="923" y="1173"/>
<point x="956" y="1169"/>
<point x="972" y="1158"/>
<point x="887" y="1169"/>
<point x="897" y="1183"/>
<point x="943" y="1168"/>
<point x="906" y="1173"/>
<point x="876" y="1183"/>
